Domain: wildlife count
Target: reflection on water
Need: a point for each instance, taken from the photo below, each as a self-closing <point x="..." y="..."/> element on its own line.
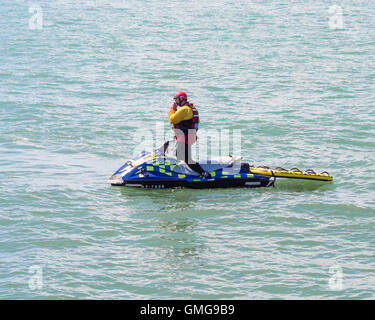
<point x="302" y="185"/>
<point x="172" y="215"/>
<point x="179" y="233"/>
<point x="164" y="200"/>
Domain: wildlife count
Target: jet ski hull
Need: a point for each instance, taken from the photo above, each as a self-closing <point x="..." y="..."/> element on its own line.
<point x="153" y="170"/>
<point x="204" y="184"/>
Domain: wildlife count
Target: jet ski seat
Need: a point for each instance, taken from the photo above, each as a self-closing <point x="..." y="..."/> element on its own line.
<point x="230" y="163"/>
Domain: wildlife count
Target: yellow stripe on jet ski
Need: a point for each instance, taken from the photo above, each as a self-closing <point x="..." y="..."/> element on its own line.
<point x="137" y="162"/>
<point x="291" y="174"/>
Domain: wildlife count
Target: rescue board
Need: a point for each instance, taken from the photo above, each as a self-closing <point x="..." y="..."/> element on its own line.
<point x="293" y="173"/>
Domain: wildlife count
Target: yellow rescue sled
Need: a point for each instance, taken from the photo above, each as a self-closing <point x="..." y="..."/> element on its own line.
<point x="293" y="173"/>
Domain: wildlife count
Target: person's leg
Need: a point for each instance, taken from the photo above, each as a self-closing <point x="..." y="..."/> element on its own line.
<point x="180" y="151"/>
<point x="183" y="152"/>
<point x="191" y="163"/>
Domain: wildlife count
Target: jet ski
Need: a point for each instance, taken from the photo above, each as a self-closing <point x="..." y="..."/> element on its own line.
<point x="158" y="171"/>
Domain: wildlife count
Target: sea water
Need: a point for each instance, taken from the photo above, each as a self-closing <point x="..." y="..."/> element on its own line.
<point x="83" y="83"/>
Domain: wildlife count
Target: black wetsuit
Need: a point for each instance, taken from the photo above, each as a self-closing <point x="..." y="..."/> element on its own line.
<point x="183" y="152"/>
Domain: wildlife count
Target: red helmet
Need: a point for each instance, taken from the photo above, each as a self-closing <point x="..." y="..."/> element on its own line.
<point x="181" y="94"/>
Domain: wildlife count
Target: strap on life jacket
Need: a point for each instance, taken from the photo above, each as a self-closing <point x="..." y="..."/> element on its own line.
<point x="189" y="127"/>
<point x="192" y="123"/>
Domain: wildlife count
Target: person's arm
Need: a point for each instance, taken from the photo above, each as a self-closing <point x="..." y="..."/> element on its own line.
<point x="181" y="114"/>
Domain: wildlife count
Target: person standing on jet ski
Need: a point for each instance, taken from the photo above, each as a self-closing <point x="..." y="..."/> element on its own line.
<point x="185" y="122"/>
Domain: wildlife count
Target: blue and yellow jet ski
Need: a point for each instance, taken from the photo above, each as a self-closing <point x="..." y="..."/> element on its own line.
<point x="156" y="170"/>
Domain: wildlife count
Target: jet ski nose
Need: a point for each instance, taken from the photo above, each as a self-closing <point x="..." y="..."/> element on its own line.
<point x="116" y="180"/>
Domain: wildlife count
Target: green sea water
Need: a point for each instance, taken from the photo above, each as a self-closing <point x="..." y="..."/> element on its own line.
<point x="80" y="81"/>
